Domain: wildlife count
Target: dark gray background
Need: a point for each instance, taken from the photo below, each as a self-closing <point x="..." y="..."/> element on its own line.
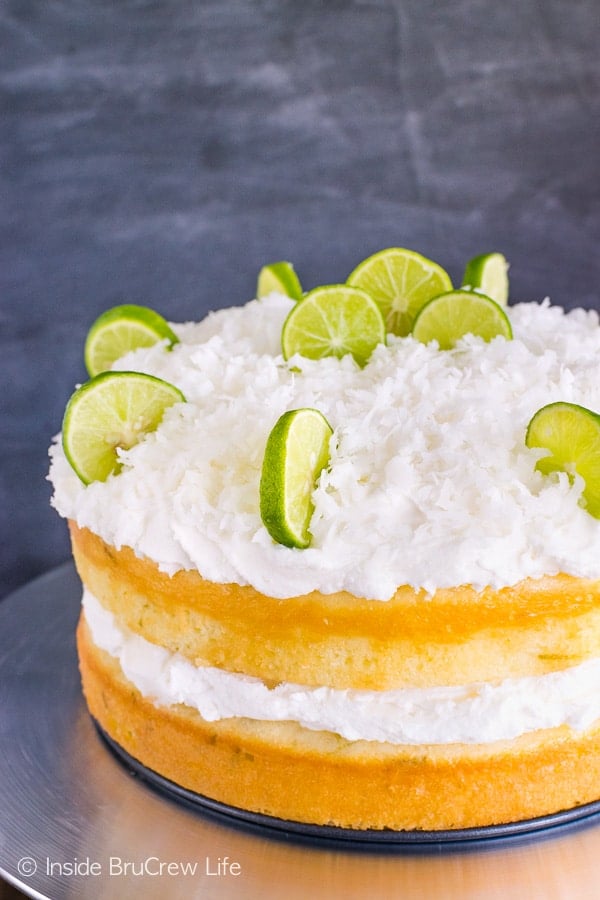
<point x="161" y="152"/>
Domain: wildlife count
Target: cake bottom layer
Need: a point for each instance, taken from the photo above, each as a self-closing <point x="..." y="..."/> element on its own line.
<point x="281" y="769"/>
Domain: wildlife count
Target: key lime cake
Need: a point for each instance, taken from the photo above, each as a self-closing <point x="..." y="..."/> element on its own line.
<point x="340" y="570"/>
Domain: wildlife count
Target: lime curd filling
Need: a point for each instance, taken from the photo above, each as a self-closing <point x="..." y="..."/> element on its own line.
<point x="430" y="482"/>
<point x="470" y="714"/>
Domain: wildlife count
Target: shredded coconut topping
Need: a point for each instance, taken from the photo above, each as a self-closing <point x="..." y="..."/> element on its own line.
<point x="430" y="483"/>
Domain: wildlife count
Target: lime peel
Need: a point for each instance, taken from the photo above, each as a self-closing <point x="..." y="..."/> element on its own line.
<point x="296" y="452"/>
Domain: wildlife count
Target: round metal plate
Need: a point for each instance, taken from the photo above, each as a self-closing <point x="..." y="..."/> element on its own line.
<point x="73" y="823"/>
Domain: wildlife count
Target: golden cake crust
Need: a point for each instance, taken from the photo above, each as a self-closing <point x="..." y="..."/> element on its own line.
<point x="284" y="770"/>
<point x="457" y="636"/>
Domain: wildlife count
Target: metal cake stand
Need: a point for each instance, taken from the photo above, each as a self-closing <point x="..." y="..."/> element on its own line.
<point x="80" y="818"/>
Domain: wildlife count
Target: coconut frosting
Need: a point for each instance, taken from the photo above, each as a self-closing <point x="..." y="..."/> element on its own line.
<point x="430" y="483"/>
<point x="470" y="714"/>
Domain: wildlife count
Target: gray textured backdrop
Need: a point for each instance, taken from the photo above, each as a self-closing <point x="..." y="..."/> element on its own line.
<point x="160" y="152"/>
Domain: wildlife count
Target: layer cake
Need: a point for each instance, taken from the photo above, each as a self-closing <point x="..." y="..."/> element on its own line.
<point x="431" y="661"/>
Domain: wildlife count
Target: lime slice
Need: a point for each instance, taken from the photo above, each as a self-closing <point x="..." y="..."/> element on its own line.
<point x="571" y="434"/>
<point x="401" y="282"/>
<point x="281" y="278"/>
<point x="331" y="321"/>
<point x="448" y="317"/>
<point x="121" y="329"/>
<point x="488" y="273"/>
<point x="113" y="410"/>
<point x="296" y="452"/>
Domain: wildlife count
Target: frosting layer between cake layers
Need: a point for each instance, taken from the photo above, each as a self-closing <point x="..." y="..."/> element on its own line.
<point x="472" y="713"/>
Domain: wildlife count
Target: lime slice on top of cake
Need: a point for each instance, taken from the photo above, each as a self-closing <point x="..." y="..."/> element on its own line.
<point x="400" y="281"/>
<point x="332" y="321"/>
<point x="296" y="452"/>
<point x="121" y="329"/>
<point x="112" y="411"/>
<point x="488" y="274"/>
<point x="450" y="316"/>
<point x="279" y="277"/>
<point x="571" y="435"/>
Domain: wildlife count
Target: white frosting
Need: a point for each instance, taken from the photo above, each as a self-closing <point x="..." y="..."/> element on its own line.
<point x="430" y="482"/>
<point x="475" y="713"/>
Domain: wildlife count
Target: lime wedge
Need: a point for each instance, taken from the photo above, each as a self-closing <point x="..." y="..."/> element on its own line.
<point x="331" y="321"/>
<point x="113" y="410"/>
<point x="450" y="316"/>
<point x="121" y="329"/>
<point x="296" y="452"/>
<point x="571" y="434"/>
<point x="488" y="273"/>
<point x="401" y="282"/>
<point x="281" y="278"/>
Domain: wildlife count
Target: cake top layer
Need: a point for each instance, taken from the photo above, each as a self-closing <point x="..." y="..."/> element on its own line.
<point x="429" y="484"/>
